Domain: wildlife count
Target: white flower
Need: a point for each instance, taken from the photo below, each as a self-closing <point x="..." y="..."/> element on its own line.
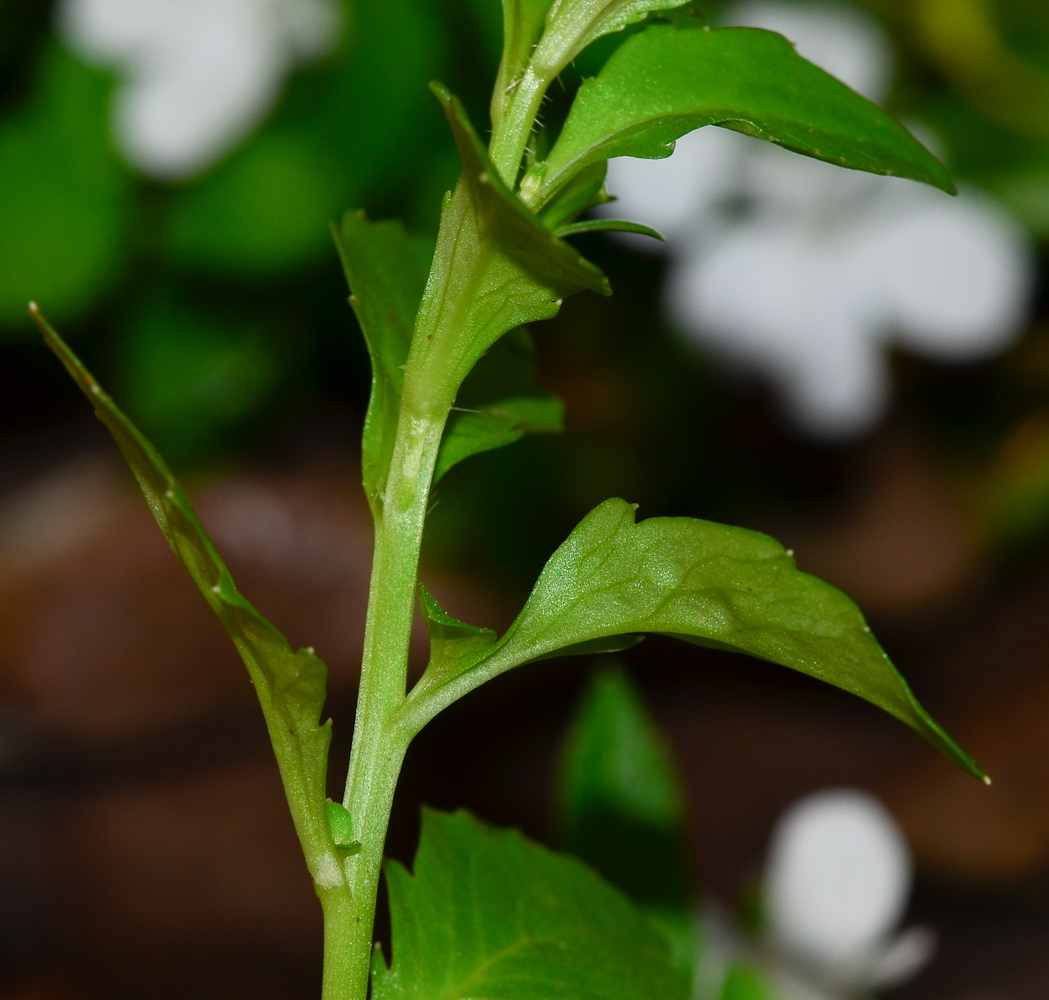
<point x="835" y="888"/>
<point x="196" y="76"/>
<point x="806" y="273"/>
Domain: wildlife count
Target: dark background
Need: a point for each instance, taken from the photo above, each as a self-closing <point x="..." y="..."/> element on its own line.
<point x="144" y="847"/>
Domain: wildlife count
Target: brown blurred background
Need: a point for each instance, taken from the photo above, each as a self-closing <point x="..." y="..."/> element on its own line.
<point x="145" y="848"/>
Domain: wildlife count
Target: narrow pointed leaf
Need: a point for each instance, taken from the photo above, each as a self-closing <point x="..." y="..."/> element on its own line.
<point x="607" y="226"/>
<point x="487" y="913"/>
<point x="711" y="584"/>
<point x="496" y="425"/>
<point x="585" y="190"/>
<point x="290" y="684"/>
<point x="386" y="270"/>
<point x="452" y="642"/>
<point x="664" y="82"/>
<point x="511" y="269"/>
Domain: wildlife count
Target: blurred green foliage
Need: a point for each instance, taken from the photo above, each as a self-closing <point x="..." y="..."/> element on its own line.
<point x="203" y="302"/>
<point x="64" y="196"/>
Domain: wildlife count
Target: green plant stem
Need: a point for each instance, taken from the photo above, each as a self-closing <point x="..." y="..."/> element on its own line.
<point x="380" y="740"/>
<point x="379" y="744"/>
<point x="341" y="923"/>
<point x="432" y="375"/>
<point x="510" y="137"/>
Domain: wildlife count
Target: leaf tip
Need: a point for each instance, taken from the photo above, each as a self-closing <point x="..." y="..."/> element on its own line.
<point x="441" y="92"/>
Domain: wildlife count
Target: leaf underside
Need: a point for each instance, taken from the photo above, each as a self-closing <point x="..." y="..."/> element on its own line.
<point x="498" y="424"/>
<point x="709" y="584"/>
<point x="487" y="913"/>
<point x="519" y="271"/>
<point x="664" y="82"/>
<point x="386" y="270"/>
<point x="451" y="641"/>
<point x="290" y="684"/>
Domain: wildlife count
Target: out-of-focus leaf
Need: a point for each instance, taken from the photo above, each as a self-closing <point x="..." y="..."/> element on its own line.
<point x="386" y="270"/>
<point x="64" y="195"/>
<point x="622" y="806"/>
<point x="513" y="270"/>
<point x="496" y="425"/>
<point x="664" y="82"/>
<point x="336" y="139"/>
<point x="190" y="376"/>
<point x="710" y="584"/>
<point x="265" y="209"/>
<point x="369" y="103"/>
<point x="744" y="983"/>
<point x="486" y="913"/>
<point x="621" y="797"/>
<point x="290" y="684"/>
<point x="963" y="38"/>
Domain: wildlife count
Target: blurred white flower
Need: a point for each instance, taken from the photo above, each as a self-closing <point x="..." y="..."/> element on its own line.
<point x="806" y="273"/>
<point x="836" y="886"/>
<point x="196" y="76"/>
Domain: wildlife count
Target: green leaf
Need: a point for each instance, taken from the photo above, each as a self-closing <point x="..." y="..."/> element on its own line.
<point x="508" y="267"/>
<point x="745" y="983"/>
<point x="489" y="914"/>
<point x="451" y="641"/>
<point x="594" y="647"/>
<point x="621" y="796"/>
<point x="585" y="190"/>
<point x="290" y="684"/>
<point x="710" y="584"/>
<point x="664" y="82"/>
<point x="497" y="425"/>
<point x="607" y="226"/>
<point x="340" y="826"/>
<point x="499" y="402"/>
<point x="386" y="270"/>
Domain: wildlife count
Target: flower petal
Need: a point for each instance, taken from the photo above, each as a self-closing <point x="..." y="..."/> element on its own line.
<point x="952" y="277"/>
<point x="770" y="300"/>
<point x="198" y="75"/>
<point x="838" y="877"/>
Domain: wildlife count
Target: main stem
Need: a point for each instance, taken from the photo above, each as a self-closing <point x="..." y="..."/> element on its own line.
<point x="380" y="737"/>
<point x="378" y="744"/>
